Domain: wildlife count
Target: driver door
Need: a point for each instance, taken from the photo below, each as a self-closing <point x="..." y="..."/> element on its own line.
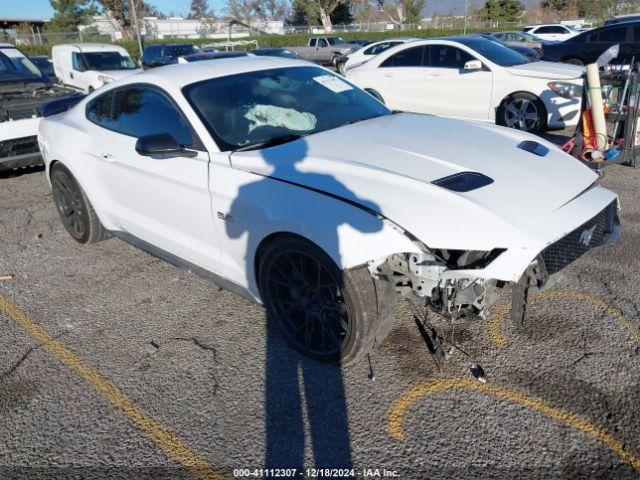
<point x="162" y="201"/>
<point x="79" y="77"/>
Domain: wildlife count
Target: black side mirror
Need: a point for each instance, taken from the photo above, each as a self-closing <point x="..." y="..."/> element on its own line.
<point x="162" y="145"/>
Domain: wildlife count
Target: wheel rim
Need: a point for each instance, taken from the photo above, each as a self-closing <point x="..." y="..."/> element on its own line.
<point x="521" y="113"/>
<point x="69" y="204"/>
<point x="308" y="304"/>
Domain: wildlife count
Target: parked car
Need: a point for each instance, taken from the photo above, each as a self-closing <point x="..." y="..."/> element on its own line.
<point x="324" y="50"/>
<point x="166" y="54"/>
<point x="23" y="88"/>
<point x="553" y="32"/>
<point x="288" y="185"/>
<point x="474" y="79"/>
<point x="88" y="66"/>
<point x="588" y="46"/>
<point x="358" y="57"/>
<point x="531" y="53"/>
<point x="274" y="52"/>
<point x="199" y="57"/>
<point x="513" y="38"/>
<point x="622" y="19"/>
<point x="44" y="64"/>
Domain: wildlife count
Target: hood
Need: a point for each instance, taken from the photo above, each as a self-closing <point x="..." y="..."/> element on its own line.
<point x="388" y="163"/>
<point x="547" y="70"/>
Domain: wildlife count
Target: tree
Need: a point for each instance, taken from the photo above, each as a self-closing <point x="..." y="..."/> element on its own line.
<point x="402" y="11"/>
<point x="70" y="14"/>
<point x="325" y="8"/>
<point x="342" y="14"/>
<point x="492" y="11"/>
<point x="199" y="9"/>
<point x="118" y="12"/>
<point x="510" y="10"/>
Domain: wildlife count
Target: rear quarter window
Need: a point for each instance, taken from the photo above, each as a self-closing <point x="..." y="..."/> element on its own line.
<point x="99" y="110"/>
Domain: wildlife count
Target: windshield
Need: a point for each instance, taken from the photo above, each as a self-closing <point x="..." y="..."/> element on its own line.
<point x="495" y="52"/>
<point x="260" y="108"/>
<point x="180" y="50"/>
<point x="14" y="63"/>
<point x="334" y="40"/>
<point x="103" y="61"/>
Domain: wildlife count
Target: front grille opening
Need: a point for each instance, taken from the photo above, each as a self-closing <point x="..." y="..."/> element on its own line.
<point x="19" y="146"/>
<point x="572" y="246"/>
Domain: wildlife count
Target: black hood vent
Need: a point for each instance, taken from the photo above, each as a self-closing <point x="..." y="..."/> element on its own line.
<point x="534" y="147"/>
<point x="463" y="181"/>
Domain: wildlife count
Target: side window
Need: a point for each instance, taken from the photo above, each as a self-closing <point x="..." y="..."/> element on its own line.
<point x="312" y="42"/>
<point x="552" y="29"/>
<point x="322" y="43"/>
<point x="140" y="111"/>
<point x="76" y="61"/>
<point x="636" y="34"/>
<point x="99" y="110"/>
<point x="611" y="35"/>
<point x="446" y="56"/>
<point x="410" y="57"/>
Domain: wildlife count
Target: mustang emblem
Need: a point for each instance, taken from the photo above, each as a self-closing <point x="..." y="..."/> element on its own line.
<point x="586" y="235"/>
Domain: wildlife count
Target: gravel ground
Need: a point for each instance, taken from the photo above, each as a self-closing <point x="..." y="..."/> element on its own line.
<point x="561" y="399"/>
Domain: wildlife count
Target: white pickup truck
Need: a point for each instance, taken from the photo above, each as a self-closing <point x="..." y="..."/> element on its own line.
<point x="324" y="49"/>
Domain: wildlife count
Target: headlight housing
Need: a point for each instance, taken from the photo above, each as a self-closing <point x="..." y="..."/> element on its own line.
<point x="566" y="90"/>
<point x="105" y="79"/>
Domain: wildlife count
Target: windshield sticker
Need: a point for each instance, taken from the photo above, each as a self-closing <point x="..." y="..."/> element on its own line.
<point x="333" y="83"/>
<point x="269" y="115"/>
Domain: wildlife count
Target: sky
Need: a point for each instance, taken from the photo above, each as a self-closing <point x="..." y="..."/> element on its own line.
<point x="41" y="9"/>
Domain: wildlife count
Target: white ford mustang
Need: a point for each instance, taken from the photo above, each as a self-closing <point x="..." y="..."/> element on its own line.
<point x="292" y="187"/>
<point x="475" y="79"/>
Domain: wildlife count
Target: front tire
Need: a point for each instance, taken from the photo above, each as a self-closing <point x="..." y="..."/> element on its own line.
<point x="375" y="94"/>
<point x="522" y="111"/>
<point x="325" y="313"/>
<point x="75" y="210"/>
<point x="574" y="61"/>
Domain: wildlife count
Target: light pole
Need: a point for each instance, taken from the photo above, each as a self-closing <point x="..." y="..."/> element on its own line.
<point x="464" y="28"/>
<point x="135" y="25"/>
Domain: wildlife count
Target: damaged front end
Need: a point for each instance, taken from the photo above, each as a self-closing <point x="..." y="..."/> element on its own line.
<point x="444" y="281"/>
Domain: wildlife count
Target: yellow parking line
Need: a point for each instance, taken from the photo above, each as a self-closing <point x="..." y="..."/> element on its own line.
<point x="498" y="317"/>
<point x="400" y="406"/>
<point x="166" y="440"/>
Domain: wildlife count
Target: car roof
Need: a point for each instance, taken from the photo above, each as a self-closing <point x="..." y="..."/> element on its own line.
<point x="183" y="74"/>
<point x="92" y="47"/>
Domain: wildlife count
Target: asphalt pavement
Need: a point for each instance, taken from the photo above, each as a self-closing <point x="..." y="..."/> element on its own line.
<point x="114" y="364"/>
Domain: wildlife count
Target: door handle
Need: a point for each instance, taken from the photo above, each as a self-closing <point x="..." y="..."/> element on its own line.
<point x="387" y="74"/>
<point x="107" y="156"/>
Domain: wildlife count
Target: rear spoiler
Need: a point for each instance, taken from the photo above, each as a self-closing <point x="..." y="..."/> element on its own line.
<point x="59" y="105"/>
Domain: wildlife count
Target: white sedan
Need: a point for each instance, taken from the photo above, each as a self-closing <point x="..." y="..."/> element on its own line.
<point x="283" y="182"/>
<point x="553" y="32"/>
<point x="475" y="79"/>
<point x="365" y="54"/>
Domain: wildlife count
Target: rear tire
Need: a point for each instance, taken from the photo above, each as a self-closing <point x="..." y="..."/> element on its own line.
<point x="325" y="313"/>
<point x="75" y="210"/>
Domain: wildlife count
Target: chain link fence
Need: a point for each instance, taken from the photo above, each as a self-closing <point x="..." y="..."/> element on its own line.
<point x="220" y="30"/>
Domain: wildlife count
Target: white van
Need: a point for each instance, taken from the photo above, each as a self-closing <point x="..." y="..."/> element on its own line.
<point x="88" y="66"/>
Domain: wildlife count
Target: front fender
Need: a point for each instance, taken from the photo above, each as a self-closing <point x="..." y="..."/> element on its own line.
<point x="251" y="207"/>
